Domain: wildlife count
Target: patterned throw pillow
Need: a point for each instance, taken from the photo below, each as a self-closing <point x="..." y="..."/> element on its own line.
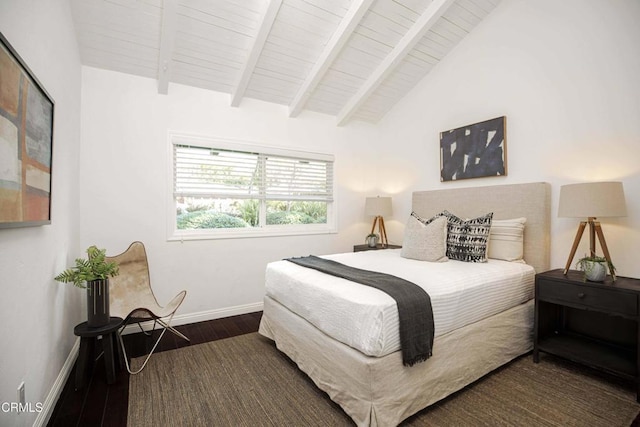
<point x="467" y="238"/>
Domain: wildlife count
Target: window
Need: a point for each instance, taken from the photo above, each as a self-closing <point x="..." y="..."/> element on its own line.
<point x="229" y="189"/>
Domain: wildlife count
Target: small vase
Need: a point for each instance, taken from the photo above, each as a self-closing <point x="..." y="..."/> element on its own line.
<point x="372" y="241"/>
<point x="595" y="271"/>
<point x="98" y="303"/>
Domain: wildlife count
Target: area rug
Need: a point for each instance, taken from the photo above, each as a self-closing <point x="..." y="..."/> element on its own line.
<point x="246" y="381"/>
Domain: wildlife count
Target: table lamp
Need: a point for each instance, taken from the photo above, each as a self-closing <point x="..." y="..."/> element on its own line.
<point x="378" y="207"/>
<point x="591" y="200"/>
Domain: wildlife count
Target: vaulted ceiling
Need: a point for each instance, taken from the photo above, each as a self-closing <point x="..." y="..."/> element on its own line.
<point x="352" y="59"/>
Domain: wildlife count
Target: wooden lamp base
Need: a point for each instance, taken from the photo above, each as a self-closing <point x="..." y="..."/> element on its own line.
<point x="383" y="232"/>
<point x="594" y="229"/>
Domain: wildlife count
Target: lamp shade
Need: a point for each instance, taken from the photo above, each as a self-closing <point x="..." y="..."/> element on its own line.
<point x="377" y="206"/>
<point x="592" y="199"/>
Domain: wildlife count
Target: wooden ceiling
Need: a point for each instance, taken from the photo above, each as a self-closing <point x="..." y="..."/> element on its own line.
<point x="352" y="59"/>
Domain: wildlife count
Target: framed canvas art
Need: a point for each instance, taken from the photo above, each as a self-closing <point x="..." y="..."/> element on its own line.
<point x="26" y="138"/>
<point x="474" y="151"/>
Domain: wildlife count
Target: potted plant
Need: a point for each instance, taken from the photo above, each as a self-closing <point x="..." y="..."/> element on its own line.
<point x="95" y="272"/>
<point x="595" y="268"/>
<point x="372" y="240"/>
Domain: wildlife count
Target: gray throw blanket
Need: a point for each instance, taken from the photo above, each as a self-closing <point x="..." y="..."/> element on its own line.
<point x="414" y="304"/>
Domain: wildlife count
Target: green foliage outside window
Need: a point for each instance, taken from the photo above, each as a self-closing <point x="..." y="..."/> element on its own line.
<point x="245" y="213"/>
<point x="209" y="219"/>
<point x="250" y="212"/>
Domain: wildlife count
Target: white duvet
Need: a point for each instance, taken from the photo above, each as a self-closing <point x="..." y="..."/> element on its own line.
<point x="366" y="318"/>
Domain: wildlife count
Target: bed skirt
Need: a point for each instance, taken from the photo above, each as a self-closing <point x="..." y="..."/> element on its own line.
<point x="380" y="391"/>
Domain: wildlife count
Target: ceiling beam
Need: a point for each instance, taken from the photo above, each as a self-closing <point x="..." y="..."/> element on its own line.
<point x="332" y="49"/>
<point x="268" y="18"/>
<point x="435" y="10"/>
<point x="167" y="41"/>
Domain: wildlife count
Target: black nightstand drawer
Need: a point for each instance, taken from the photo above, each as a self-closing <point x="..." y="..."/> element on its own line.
<point x="584" y="296"/>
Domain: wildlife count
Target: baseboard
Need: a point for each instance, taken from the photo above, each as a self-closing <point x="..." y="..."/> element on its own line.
<point x="202" y="316"/>
<point x="54" y="394"/>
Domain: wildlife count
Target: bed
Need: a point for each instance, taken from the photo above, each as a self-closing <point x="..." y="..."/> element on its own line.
<point x="366" y="377"/>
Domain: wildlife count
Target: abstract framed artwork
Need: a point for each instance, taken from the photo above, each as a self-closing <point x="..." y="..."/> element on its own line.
<point x="474" y="151"/>
<point x="26" y="143"/>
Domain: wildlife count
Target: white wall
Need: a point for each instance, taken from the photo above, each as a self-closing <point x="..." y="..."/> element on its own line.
<point x="125" y="185"/>
<point x="37" y="314"/>
<point x="566" y="76"/>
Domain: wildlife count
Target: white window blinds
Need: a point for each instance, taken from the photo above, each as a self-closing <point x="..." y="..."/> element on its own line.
<point x="297" y="179"/>
<point x="208" y="172"/>
<point x="225" y="173"/>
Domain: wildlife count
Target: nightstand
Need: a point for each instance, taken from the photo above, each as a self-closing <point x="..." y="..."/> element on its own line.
<point x="591" y="323"/>
<point x="360" y="248"/>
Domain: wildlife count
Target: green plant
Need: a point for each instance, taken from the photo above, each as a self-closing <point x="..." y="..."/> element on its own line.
<point x="284" y="217"/>
<point x="586" y="263"/>
<point x="249" y="211"/>
<point x="95" y="267"/>
<point x="209" y="219"/>
<point x="300" y="211"/>
<point x="372" y="239"/>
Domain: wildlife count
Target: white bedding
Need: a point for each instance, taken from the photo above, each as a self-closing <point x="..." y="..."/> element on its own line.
<point x="367" y="319"/>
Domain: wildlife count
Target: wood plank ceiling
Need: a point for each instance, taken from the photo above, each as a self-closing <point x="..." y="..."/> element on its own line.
<point x="352" y="59"/>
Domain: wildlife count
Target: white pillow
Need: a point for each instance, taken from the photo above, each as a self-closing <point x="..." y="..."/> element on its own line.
<point x="425" y="242"/>
<point x="506" y="239"/>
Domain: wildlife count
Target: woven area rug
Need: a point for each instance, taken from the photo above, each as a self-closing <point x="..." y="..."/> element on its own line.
<point x="246" y="381"/>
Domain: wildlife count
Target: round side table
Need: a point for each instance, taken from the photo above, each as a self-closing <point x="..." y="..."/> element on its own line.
<point x="88" y="338"/>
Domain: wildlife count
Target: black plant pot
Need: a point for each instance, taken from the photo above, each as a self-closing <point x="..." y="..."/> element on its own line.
<point x="98" y="303"/>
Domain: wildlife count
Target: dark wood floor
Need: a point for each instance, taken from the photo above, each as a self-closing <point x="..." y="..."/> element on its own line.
<point x="99" y="404"/>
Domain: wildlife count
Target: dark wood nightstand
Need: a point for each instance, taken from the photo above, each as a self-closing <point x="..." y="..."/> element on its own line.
<point x="360" y="248"/>
<point x="591" y="323"/>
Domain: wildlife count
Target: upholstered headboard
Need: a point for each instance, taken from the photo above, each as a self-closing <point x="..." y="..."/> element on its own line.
<point x="532" y="201"/>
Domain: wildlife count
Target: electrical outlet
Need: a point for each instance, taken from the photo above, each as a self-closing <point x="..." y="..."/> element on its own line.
<point x="21" y="398"/>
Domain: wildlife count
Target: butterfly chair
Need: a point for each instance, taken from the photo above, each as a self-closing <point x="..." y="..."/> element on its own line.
<point x="132" y="299"/>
